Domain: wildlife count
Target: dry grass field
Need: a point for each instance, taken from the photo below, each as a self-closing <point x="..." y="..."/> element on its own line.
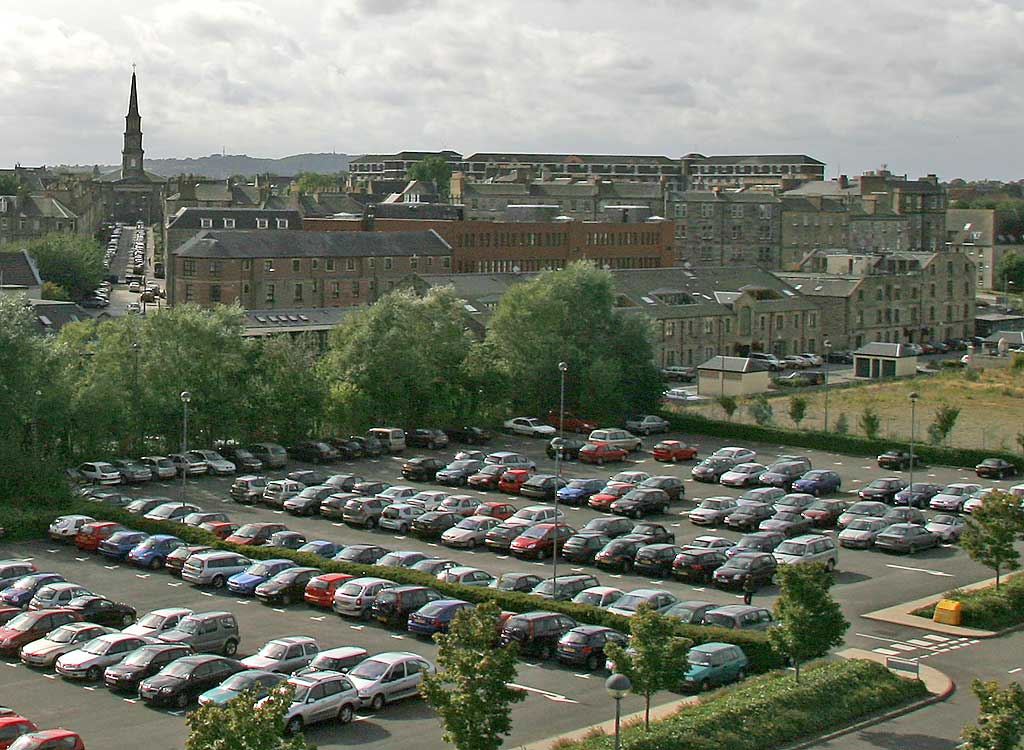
<point x="991" y="407"/>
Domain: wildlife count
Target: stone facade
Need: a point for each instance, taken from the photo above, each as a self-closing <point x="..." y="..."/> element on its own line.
<point x="779" y="171"/>
<point x="720" y="228"/>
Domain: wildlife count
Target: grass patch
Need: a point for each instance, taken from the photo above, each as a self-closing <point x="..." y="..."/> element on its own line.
<point x="987" y="608"/>
<point x="773" y="710"/>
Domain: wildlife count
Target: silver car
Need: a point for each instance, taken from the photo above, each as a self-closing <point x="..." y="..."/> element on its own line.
<point x="385" y="678"/>
<point x="657" y="599"/>
<point x="158" y="621"/>
<point x="215" y="463"/>
<point x="173" y="511"/>
<point x="320" y="696"/>
<point x="283" y="654"/>
<point x="469" y="532"/>
<point x="860" y="533"/>
<point x="355" y="597"/>
<point x="89" y="661"/>
<point x="66" y="638"/>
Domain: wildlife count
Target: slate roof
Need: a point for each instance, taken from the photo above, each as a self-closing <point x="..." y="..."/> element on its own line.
<point x="19" y="269"/>
<point x="45" y="206"/>
<point x="118" y="176"/>
<point x="1012" y="337"/>
<point x="720" y="363"/>
<point x="52" y="315"/>
<point x="822" y="285"/>
<point x="268" y="243"/>
<point x="406" y="156"/>
<point x="189" y="217"/>
<point x="883" y="349"/>
<point x="747" y="196"/>
<point x="758" y="159"/>
<point x="526" y="158"/>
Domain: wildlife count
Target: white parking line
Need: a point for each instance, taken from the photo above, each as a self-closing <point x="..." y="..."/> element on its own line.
<point x="885" y="651"/>
<point x="1014" y="671"/>
<point x="81" y="559"/>
<point x="142" y="575"/>
<point x="398" y="637"/>
<point x="53" y="551"/>
<point x="939" y="638"/>
<point x="175" y="585"/>
<point x="582" y="676"/>
<point x="356" y="627"/>
<point x="920" y="643"/>
<point x="901" y="647"/>
<point x="920" y="570"/>
<point x="281" y="611"/>
<point x="50" y="676"/>
<point x="11" y="664"/>
<point x="206" y="593"/>
<point x="90" y="689"/>
<point x="111" y="567"/>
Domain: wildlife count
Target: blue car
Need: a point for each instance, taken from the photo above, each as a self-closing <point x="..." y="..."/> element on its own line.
<point x="714" y="664"/>
<point x="119" y="544"/>
<point x="154" y="551"/>
<point x="258" y="679"/>
<point x="818" y="482"/>
<point x="20" y="593"/>
<point x="321" y="547"/>
<point x="578" y="491"/>
<point x="435" y="617"/>
<point x="245" y="583"/>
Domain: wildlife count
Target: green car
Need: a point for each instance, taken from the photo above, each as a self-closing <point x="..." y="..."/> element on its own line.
<point x="251" y="679"/>
<point x="714" y="664"/>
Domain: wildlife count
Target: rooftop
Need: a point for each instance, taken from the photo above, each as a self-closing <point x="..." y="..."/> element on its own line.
<point x="273" y="243"/>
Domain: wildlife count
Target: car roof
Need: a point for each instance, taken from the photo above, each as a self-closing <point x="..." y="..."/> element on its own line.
<point x="808" y="538"/>
<point x="368" y="580"/>
<point x="342" y="651"/>
<point x="712" y="647"/>
<point x="734" y="609"/>
<point x="647" y="592"/>
<point x="392" y="657"/>
<point x="293" y="639"/>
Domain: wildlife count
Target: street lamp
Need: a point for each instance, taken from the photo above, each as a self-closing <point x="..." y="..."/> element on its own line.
<point x="563" y="367"/>
<point x="186" y="396"/>
<point x="828" y="356"/>
<point x="913" y="424"/>
<point x="618" y="687"/>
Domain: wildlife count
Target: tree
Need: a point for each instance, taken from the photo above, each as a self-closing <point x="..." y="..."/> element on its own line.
<point x="238" y="726"/>
<point x="316" y="182"/>
<point x="809" y="621"/>
<point x="286" y="394"/>
<point x="797" y="409"/>
<point x="471" y="693"/>
<point x="1010" y="268"/>
<point x="656" y="658"/>
<point x="991" y="531"/>
<point x="870" y="423"/>
<point x="1000" y="717"/>
<point x="9" y="184"/>
<point x="569" y="316"/>
<point x="54" y="291"/>
<point x="842" y="424"/>
<point x="433" y="169"/>
<point x="70" y="261"/>
<point x="728" y="404"/>
<point x="942" y="425"/>
<point x="761" y="410"/>
<point x="399" y="360"/>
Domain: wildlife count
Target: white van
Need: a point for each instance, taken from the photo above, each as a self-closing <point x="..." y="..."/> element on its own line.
<point x="391" y="438"/>
<point x="617" y="437"/>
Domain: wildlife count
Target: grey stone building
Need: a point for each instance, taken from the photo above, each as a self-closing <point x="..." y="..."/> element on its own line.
<point x="186" y="223"/>
<point x="719" y="228"/>
<point x="765" y="171"/>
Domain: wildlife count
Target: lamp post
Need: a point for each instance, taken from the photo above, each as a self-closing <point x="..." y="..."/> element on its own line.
<point x="913" y="424"/>
<point x="618" y="687"/>
<point x="186" y="396"/>
<point x="828" y="356"/>
<point x="563" y="367"/>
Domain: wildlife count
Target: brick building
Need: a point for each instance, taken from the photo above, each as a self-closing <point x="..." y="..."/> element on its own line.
<point x="508" y="246"/>
<point x="188" y="222"/>
<point x="278" y="269"/>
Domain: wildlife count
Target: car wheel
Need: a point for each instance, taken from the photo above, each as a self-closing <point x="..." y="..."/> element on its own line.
<point x="741" y="675"/>
<point x="369" y="524"/>
<point x="156" y="563"/>
<point x="345" y="714"/>
<point x="600" y="462"/>
<point x="645" y="432"/>
<point x="217" y="582"/>
<point x="92" y="674"/>
<point x="637" y="514"/>
<point x="830" y="565"/>
<point x="286" y="599"/>
<point x="545" y="652"/>
<point x="540" y="554"/>
<point x="675" y="459"/>
<point x="593" y="662"/>
<point x="377" y="703"/>
<point x="230" y="648"/>
<point x="705" y="685"/>
<point x="181" y="702"/>
<point x="294" y="725"/>
<point x="403" y="529"/>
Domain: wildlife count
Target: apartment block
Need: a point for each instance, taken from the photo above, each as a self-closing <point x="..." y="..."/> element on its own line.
<point x="719" y="228"/>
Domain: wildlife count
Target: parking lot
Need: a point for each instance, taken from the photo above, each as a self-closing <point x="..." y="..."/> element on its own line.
<point x="867" y="580"/>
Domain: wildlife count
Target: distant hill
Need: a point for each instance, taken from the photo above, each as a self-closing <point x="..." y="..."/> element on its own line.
<point x="220" y="167"/>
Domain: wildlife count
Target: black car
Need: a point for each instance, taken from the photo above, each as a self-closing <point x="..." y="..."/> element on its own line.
<point x="103" y="611"/>
<point x="364" y="554"/>
<point x="243" y="459"/>
<point x="468" y="435"/>
<point x="393" y="606"/>
<point x="581" y="547"/>
<point x="434" y="523"/>
<point x="287" y="586"/>
<point x="711" y="469"/>
<point x="618" y="554"/>
<point x="422" y="468"/>
<point x="369" y="487"/>
<point x="995" y="468"/>
<point x="697" y="565"/>
<point x="313" y="452"/>
<point x="537" y="632"/>
<point x="757" y="541"/>
<point x="897" y="460"/>
<point x="610" y="526"/>
<point x="749" y="516"/>
<point x="141" y="663"/>
<point x="673" y="486"/>
<point x="371" y="446"/>
<point x="457" y="472"/>
<point x="883" y="490"/>
<point x="568" y="448"/>
<point x="348" y="449"/>
<point x="524" y="582"/>
<point x="182" y="681"/>
<point x="655" y="559"/>
<point x="583" y="646"/>
<point x="652" y="533"/>
<point x="308" y="477"/>
<point x="917" y="495"/>
<point x="343" y="482"/>
<point x="758" y="567"/>
<point x="425" y="437"/>
<point x="788" y="523"/>
<point x="543" y="486"/>
<point x="499" y="539"/>
<point x="640" y="502"/>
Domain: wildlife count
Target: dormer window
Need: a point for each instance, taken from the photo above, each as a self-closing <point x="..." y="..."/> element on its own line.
<point x="206" y="223"/>
<point x="229" y="223"/>
<point x="282" y="223"/>
<point x="262" y="223"/>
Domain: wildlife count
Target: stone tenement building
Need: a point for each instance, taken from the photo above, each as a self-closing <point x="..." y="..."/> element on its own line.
<point x="375" y="167"/>
<point x="762" y="171"/>
<point x="892" y="297"/>
<point x="279" y="269"/>
<point x="188" y="222"/>
<point x="720" y="228"/>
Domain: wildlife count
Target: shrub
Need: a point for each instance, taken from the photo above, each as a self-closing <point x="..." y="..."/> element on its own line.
<point x="797" y="409"/>
<point x="987" y="608"/>
<point x="728" y="404"/>
<point x="842" y="424"/>
<point x="761" y="410"/>
<point x="870" y="423"/>
<point x="942" y="425"/>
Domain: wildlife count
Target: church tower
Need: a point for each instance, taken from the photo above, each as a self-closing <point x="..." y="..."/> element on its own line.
<point x="131" y="154"/>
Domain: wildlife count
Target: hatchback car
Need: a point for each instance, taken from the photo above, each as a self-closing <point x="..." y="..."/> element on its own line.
<point x="313" y="451"/>
<point x="422" y="468"/>
<point x="713" y="664"/>
<point x="255" y="533"/>
<point x="285" y="587"/>
<point x="210" y="567"/>
<point x="469" y="532"/>
<point x="537" y="633"/>
<point x="152" y="624"/>
<point x="283" y="654"/>
<point x="388" y="677"/>
<point x="861" y="509"/>
<point x="393" y="606"/>
<point x="712" y="511"/>
<point x="906" y="537"/>
<point x="435" y="616"/>
<point x="697" y="565"/>
<point x="433" y="524"/>
<point x="953" y="497"/>
<point x="256" y="681"/>
<point x="743" y="475"/>
<point x="524" y="582"/>
<point x="673" y="451"/>
<point x="918" y="494"/>
<point x="185" y="679"/>
<point x="248" y="489"/>
<point x="141" y="663"/>
<point x="90" y="659"/>
<point x="65" y="528"/>
<point x="153" y="551"/>
<point x="748" y="516"/>
<point x="818" y="482"/>
<point x="320" y="589"/>
<point x="640" y="502"/>
<point x="630" y="602"/>
<point x="31" y="626"/>
<point x="790" y="524"/>
<point x="947" y="527"/>
<point x="598" y="596"/>
<point x="824" y="513"/>
<point x="690" y="612"/>
<point x="860" y="533"/>
<point x="364" y="554"/>
<point x="56" y="595"/>
<point x="739" y="617"/>
<point x="882" y="490"/>
<point x="56" y="643"/>
<point x="672" y="486"/>
<point x="21" y="591"/>
<point x="340" y="659"/>
<point x="618" y="554"/>
<point x="307" y="502"/>
<point x="206" y="632"/>
<point x="756" y="567"/>
<point x="457" y="473"/>
<point x="584" y="646"/>
<point x="356" y="596"/>
<point x="808" y="548"/>
<point x="102" y="611"/>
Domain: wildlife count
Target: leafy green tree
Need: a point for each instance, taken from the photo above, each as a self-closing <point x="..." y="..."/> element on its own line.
<point x="238" y="726"/>
<point x="286" y="394"/>
<point x="797" y="409"/>
<point x="656" y="658"/>
<point x="9" y="184"/>
<point x="54" y="292"/>
<point x="1010" y="268"/>
<point x="1000" y="717"/>
<point x="870" y="422"/>
<point x="991" y="531"/>
<point x="942" y="425"/>
<point x="471" y="693"/>
<point x="842" y="424"/>
<point x="399" y="360"/>
<point x="433" y="169"/>
<point x="761" y="410"/>
<point x="728" y="405"/>
<point x="72" y="262"/>
<point x="810" y="621"/>
<point x="569" y="316"/>
<point x="316" y="182"/>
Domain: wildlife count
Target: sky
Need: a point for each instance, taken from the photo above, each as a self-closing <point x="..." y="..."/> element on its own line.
<point x="922" y="86"/>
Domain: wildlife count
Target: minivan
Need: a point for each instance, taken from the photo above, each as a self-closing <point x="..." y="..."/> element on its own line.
<point x="213" y="567"/>
<point x="206" y="632"/>
<point x="783" y="473"/>
<point x="808" y="548"/>
<point x="272" y="455"/>
<point x="391" y="439"/>
<point x="617" y="437"/>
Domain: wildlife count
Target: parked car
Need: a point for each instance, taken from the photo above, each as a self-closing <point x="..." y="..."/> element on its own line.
<point x="287" y="586"/>
<point x="88" y="661"/>
<point x="748" y="516"/>
<point x="364" y="554"/>
<point x="645" y="424"/>
<point x="904" y="515"/>
<point x="160" y="467"/>
<point x="995" y="468"/>
<point x="466" y="576"/>
<point x="640" y="502"/>
<point x="91" y="535"/>
<point x="286" y="540"/>
<point x="152" y="551"/>
<point x="524" y="582"/>
<point x="583" y="546"/>
<point x="279" y="490"/>
<point x="213" y="567"/>
<point x="132" y="472"/>
<point x="307" y="502"/>
<point x="712" y="510"/>
<point x="216" y="464"/>
<point x="618" y="554"/>
<point x="690" y="612"/>
<point x="883" y="489"/>
<point x="598" y="596"/>
<point x="860" y="532"/>
<point x="434" y="523"/>
<point x="784" y="472"/>
<point x="254" y="534"/>
<point x="463" y="505"/>
<point x="630" y="602"/>
<point x="391" y="439"/>
<point x="917" y="495"/>
<point x="511" y="460"/>
<point x="257" y="682"/>
<point x="757" y="567"/>
<point x="356" y="596"/>
<point x="243" y="459"/>
<point x="102" y="611"/>
<point x="818" y="482"/>
<point x="601" y="453"/>
<point x="947" y="527"/>
<point x="245" y="583"/>
<point x="363" y="511"/>
<point x="394" y="606"/>
<point x="906" y="537"/>
<point x="825" y="513"/>
<point x="569" y="422"/>
<point x="44" y="652"/>
<point x="388" y="677"/>
<point x="283" y="654"/>
<point x="425" y="437"/>
<point x="537" y="633"/>
<point x="248" y="489"/>
<point x="739" y="617"/>
<point x="319" y="697"/>
<point x="736" y="454"/>
<point x="529" y="426"/>
<point x="422" y="468"/>
<point x="862" y="509"/>
<point x="743" y="475"/>
<point x="563" y="448"/>
<point x="713" y="664"/>
<point x="56" y="595"/>
<point x="789" y="523"/>
<point x="495" y="509"/>
<point x="697" y="565"/>
<point x="65" y="528"/>
<point x="12" y="570"/>
<point x="673" y="451"/>
<point x="609" y="494"/>
<point x="541" y="540"/>
<point x="206" y="632"/>
<point x="313" y="452"/>
<point x="188" y="464"/>
<point x="468" y="435"/>
<point x="469" y="532"/>
<point x="953" y="496"/>
<point x="457" y="473"/>
<point x="152" y="624"/>
<point x="897" y="460"/>
<point x="141" y="663"/>
<point x="343" y="482"/>
<point x="340" y="659"/>
<point x="435" y="616"/>
<point x="711" y="469"/>
<point x="656" y="560"/>
<point x="513" y="480"/>
<point x="31" y="626"/>
<point x="583" y="646"/>
<point x="100" y="472"/>
<point x="817" y="548"/>
<point x="183" y="680"/>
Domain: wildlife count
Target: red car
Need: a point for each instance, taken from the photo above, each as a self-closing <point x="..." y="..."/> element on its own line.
<point x="8" y="613"/>
<point x="598" y="453"/>
<point x="541" y="540"/>
<point x="320" y="589"/>
<point x="513" y="479"/>
<point x="570" y="422"/>
<point x="498" y="510"/>
<point x="31" y="626"/>
<point x="673" y="450"/>
<point x="612" y="492"/>
<point x="220" y="529"/>
<point x="487" y="478"/>
<point x="91" y="535"/>
<point x="255" y="534"/>
<point x="12" y="727"/>
<point x="51" y="739"/>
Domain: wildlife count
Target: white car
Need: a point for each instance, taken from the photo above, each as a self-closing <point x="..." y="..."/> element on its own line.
<point x="89" y="661"/>
<point x="161" y="466"/>
<point x="189" y="463"/>
<point x="530" y="426"/>
<point x="469" y="532"/>
<point x="173" y="511"/>
<point x="100" y="472"/>
<point x="428" y="500"/>
<point x="815" y="359"/>
<point x="399" y="517"/>
<point x="216" y="464"/>
<point x="385" y="678"/>
<point x="158" y="621"/>
<point x="737" y="455"/>
<point x="65" y="528"/>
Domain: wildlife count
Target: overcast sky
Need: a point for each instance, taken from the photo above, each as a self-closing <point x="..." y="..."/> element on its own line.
<point x="920" y="85"/>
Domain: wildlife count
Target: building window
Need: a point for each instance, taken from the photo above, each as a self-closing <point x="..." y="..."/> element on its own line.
<point x="296" y="265"/>
<point x="247" y="264"/>
<point x="189" y="267"/>
<point x="206" y="223"/>
<point x="315" y="264"/>
<point x="214" y="292"/>
<point x="414" y="263"/>
<point x="707" y="210"/>
<point x="388" y="262"/>
<point x="229" y="223"/>
<point x="215" y="267"/>
<point x="262" y="223"/>
<point x="268" y="266"/>
<point x="245" y="289"/>
<point x="298" y="293"/>
<point x="709" y="326"/>
<point x="355" y="288"/>
<point x="350" y="264"/>
<point x="446" y="261"/>
<point x="270" y="293"/>
<point x="329" y="264"/>
<point x="371" y="263"/>
<point x="282" y="223"/>
<point x="189" y="294"/>
<point x="335" y="290"/>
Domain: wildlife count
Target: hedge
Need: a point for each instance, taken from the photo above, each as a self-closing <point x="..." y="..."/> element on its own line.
<point x="754" y="643"/>
<point x="988" y="608"/>
<point x="850" y="444"/>
<point x="771" y="710"/>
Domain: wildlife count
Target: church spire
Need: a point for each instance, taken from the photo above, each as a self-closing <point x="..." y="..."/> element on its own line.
<point x="133" y="102"/>
<point x="132" y="154"/>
